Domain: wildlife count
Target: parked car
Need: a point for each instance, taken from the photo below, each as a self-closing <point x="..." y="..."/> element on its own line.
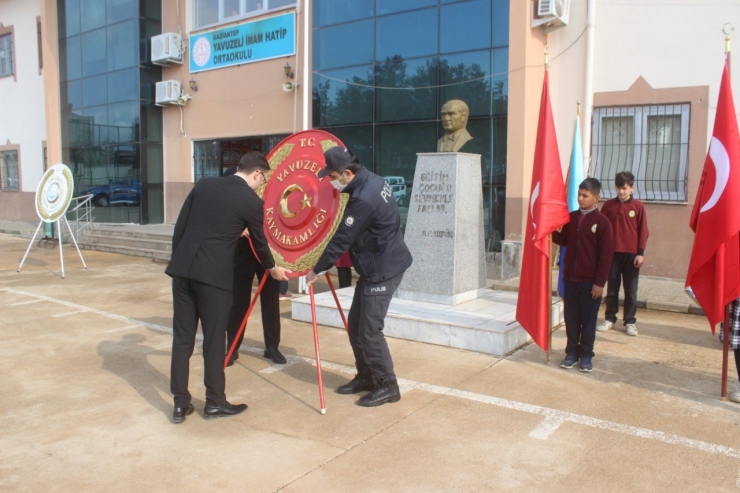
<point x="398" y="186"/>
<point x="116" y="192"/>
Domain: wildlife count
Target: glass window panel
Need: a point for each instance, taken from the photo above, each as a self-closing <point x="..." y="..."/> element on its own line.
<point x="120" y="10"/>
<point x="465" y="26"/>
<point x="6" y="54"/>
<point x="205" y="12"/>
<point x="151" y="9"/>
<point x="149" y="76"/>
<point x="663" y="154"/>
<point x="92" y="14"/>
<point x="94" y="125"/>
<point x="69" y="50"/>
<point x="343" y="96"/>
<point x="123" y="119"/>
<point x="480" y="129"/>
<point x="153" y="204"/>
<point x="73" y="91"/>
<point x="232" y="8"/>
<point x="10" y="170"/>
<point x="397" y="145"/>
<point x="399" y="104"/>
<point x="409" y="35"/>
<point x="94" y="53"/>
<point x="95" y="90"/>
<point x="344" y="45"/>
<point x="124" y="173"/>
<point x="500" y="81"/>
<point x="70" y="14"/>
<point x="327" y="12"/>
<point x="391" y="6"/>
<point x="152" y="159"/>
<point x="151" y="123"/>
<point x="276" y="4"/>
<point x="123" y="85"/>
<point x="617" y="144"/>
<point x="466" y="76"/>
<point x="123" y="45"/>
<point x="358" y="139"/>
<point x="500" y="23"/>
<point x="498" y="156"/>
<point x="255" y="5"/>
<point x="80" y="131"/>
<point x="206" y="159"/>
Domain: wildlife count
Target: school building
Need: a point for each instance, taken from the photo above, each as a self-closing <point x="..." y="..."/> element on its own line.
<point x="142" y="98"/>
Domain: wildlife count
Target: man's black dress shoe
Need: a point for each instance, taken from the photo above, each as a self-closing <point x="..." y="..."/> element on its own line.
<point x="178" y="415"/>
<point x="386" y="391"/>
<point x="275" y="355"/>
<point x="213" y="412"/>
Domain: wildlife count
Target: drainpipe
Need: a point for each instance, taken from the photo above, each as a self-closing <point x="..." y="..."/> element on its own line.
<point x="589" y="96"/>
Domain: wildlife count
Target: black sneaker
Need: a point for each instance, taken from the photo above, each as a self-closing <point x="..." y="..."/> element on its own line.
<point x="586" y="365"/>
<point x="569" y="362"/>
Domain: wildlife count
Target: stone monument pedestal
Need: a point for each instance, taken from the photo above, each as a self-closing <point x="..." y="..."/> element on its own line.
<point x="444" y="230"/>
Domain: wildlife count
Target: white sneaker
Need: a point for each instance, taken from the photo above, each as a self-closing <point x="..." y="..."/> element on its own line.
<point x="735" y="396"/>
<point x="630" y="329"/>
<point x="607" y="325"/>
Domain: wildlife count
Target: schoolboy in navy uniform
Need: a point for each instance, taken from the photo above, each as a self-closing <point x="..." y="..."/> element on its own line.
<point x="588" y="235"/>
<point x="629" y="226"/>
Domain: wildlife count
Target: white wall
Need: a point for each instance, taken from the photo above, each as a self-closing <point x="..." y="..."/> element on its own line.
<point x="671" y="43"/>
<point x="22" y="100"/>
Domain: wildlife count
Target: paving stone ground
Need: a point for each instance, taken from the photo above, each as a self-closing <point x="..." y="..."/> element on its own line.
<point x="85" y="403"/>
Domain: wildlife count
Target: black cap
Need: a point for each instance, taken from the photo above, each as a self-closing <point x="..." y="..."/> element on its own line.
<point x="337" y="159"/>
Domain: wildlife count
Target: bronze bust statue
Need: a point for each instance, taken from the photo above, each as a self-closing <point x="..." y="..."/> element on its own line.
<point x="454" y="116"/>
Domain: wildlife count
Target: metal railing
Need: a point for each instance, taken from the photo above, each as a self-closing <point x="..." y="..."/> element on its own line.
<point x="83" y="218"/>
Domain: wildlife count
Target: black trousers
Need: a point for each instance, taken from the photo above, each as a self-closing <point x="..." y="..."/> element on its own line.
<point x="737" y="362"/>
<point x="366" y="321"/>
<point x="269" y="303"/>
<point x="623" y="269"/>
<point x="345" y="276"/>
<point x="581" y="313"/>
<point x="193" y="301"/>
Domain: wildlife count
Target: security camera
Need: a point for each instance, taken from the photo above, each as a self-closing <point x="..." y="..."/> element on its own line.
<point x="288" y="86"/>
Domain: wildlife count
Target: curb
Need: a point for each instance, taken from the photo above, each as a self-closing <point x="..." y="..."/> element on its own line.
<point x="657" y="305"/>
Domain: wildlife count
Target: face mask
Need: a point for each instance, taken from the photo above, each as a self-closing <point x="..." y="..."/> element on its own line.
<point x="338" y="185"/>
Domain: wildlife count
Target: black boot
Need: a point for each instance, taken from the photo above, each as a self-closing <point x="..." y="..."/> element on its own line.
<point x="363" y="381"/>
<point x="386" y="391"/>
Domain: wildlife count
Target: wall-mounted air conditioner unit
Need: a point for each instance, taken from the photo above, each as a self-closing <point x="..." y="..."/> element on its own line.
<point x="553" y="12"/>
<point x="166" y="49"/>
<point x="168" y="91"/>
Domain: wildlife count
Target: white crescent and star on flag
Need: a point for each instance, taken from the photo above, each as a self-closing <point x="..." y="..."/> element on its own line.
<point x="532" y="200"/>
<point x="721" y="162"/>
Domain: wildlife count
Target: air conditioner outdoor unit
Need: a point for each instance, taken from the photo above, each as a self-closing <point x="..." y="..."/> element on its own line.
<point x="168" y="91"/>
<point x="554" y="12"/>
<point x="166" y="49"/>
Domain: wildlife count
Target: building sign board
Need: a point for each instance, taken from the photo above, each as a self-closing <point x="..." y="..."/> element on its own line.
<point x="249" y="42"/>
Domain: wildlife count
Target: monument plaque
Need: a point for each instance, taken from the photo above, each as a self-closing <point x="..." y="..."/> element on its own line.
<point x="444" y="230"/>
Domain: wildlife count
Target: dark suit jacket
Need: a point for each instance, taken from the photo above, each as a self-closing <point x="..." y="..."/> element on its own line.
<point x="208" y="228"/>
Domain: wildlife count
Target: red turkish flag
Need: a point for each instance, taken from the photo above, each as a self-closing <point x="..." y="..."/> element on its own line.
<point x="547" y="211"/>
<point x="714" y="270"/>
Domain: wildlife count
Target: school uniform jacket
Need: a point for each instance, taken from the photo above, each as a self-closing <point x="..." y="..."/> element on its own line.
<point x="590" y="247"/>
<point x="629" y="224"/>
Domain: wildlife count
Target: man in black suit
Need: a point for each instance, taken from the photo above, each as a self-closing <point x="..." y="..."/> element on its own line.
<point x="246" y="266"/>
<point x="214" y="215"/>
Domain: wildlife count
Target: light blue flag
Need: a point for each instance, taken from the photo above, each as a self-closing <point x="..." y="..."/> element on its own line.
<point x="576" y="174"/>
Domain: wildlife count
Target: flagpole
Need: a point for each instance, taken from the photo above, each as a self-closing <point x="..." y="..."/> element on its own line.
<point x="549" y="300"/>
<point x="727" y="30"/>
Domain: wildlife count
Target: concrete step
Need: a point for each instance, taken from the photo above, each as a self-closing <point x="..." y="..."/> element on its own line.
<point x="118" y="232"/>
<point x="156" y="244"/>
<point x="128" y="250"/>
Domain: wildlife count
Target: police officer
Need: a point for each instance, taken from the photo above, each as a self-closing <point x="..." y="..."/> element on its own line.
<point x="371" y="231"/>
